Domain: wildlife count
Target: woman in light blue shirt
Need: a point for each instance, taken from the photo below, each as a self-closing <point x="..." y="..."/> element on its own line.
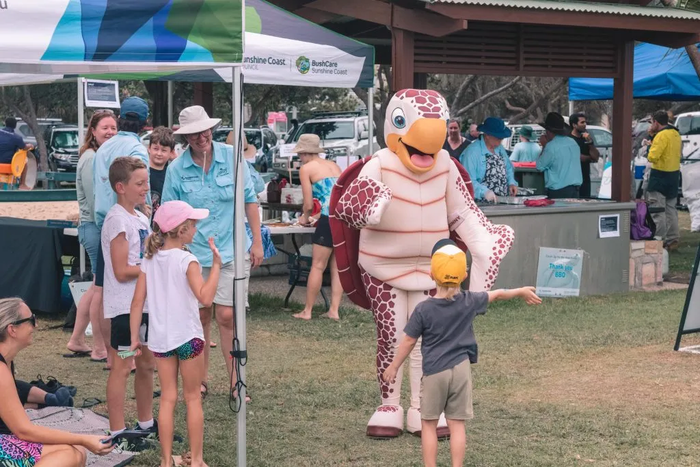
<point x="560" y="160"/>
<point x="527" y="150"/>
<point x="487" y="162"/>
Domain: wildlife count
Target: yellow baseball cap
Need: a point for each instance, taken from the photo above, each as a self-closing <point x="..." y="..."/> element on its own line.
<point x="448" y="264"/>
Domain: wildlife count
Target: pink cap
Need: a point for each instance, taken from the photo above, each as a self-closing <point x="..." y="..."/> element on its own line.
<point x="173" y="213"/>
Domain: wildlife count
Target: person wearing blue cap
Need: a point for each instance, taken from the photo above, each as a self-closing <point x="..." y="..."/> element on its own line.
<point x="527" y="150"/>
<point x="488" y="164"/>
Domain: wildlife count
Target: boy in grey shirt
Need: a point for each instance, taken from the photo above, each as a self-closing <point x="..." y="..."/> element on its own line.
<point x="449" y="347"/>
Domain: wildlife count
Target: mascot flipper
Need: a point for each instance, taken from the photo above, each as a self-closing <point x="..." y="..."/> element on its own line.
<point x="387" y="213"/>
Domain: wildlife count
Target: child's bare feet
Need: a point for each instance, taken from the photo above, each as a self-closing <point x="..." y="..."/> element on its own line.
<point x="303" y="315"/>
<point x="330" y="315"/>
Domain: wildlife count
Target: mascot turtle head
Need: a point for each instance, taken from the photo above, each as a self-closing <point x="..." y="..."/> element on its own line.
<point x="415" y="127"/>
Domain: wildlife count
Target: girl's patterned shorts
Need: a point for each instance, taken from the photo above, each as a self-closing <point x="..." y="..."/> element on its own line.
<point x="186" y="351"/>
<point x="17" y="453"/>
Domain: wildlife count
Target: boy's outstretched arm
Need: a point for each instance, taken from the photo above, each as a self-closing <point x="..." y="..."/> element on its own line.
<point x="526" y="293"/>
<point x="402" y="353"/>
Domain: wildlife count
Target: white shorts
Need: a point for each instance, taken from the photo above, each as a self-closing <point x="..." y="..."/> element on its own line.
<point x="224" y="290"/>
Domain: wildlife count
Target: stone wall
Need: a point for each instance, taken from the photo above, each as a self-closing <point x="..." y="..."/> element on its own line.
<point x="646" y="264"/>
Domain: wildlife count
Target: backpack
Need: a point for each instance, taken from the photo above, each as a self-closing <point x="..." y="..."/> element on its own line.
<point x="642" y="226"/>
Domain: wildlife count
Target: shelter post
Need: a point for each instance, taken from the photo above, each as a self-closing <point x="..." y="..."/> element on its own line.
<point x="239" y="254"/>
<point x="81" y="138"/>
<point x="370" y="120"/>
<point x="622" y="123"/>
<point x="170" y="104"/>
<point x="402" y="59"/>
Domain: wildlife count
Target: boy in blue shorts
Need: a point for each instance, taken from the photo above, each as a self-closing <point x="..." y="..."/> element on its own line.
<point x="449" y="347"/>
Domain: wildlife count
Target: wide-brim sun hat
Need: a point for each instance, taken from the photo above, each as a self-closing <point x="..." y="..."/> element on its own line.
<point x="494" y="126"/>
<point x="194" y="119"/>
<point x="308" y="143"/>
<point x="527" y="132"/>
<point x="173" y="213"/>
<point x="555" y="123"/>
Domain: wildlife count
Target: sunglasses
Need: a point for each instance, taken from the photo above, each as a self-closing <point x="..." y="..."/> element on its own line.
<point x="195" y="136"/>
<point x="31" y="319"/>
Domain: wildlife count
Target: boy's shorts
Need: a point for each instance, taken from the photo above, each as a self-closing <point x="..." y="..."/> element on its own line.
<point x="120" y="338"/>
<point x="449" y="391"/>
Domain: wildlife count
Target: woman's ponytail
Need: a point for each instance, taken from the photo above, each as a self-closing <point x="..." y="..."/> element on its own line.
<point x="154" y="242"/>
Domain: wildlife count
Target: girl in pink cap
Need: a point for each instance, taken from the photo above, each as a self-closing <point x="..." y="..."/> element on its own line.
<point x="172" y="283"/>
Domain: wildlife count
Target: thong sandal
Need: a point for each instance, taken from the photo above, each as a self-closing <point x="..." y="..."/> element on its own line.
<point x="204" y="393"/>
<point x="79" y="354"/>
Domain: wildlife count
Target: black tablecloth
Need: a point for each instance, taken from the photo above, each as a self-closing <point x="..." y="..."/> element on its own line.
<point x="30" y="262"/>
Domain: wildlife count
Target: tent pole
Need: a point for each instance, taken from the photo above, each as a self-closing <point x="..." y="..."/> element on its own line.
<point x="239" y="254"/>
<point x="81" y="138"/>
<point x="170" y="104"/>
<point x="370" y="118"/>
<point x="571" y="108"/>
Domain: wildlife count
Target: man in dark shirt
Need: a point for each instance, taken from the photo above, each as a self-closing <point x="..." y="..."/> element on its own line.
<point x="160" y="150"/>
<point x="589" y="153"/>
<point x="10" y="141"/>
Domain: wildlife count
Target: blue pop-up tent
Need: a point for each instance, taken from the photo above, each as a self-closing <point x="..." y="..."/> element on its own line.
<point x="659" y="73"/>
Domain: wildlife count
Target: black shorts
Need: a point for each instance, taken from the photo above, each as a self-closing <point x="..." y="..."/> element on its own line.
<point x="121" y="332"/>
<point x="322" y="234"/>
<point x="100" y="267"/>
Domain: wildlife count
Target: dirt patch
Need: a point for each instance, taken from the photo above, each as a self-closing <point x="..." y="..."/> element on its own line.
<point x="41" y="211"/>
<point x="623" y="377"/>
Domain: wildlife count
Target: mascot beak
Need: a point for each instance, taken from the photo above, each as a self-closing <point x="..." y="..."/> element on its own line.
<point x="418" y="148"/>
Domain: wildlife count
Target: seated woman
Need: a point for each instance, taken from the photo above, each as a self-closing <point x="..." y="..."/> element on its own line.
<point x="527" y="150"/>
<point x="21" y="442"/>
<point x="488" y="164"/>
<point x="318" y="176"/>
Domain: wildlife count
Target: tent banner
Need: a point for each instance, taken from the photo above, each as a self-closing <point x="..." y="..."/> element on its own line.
<point x="98" y="36"/>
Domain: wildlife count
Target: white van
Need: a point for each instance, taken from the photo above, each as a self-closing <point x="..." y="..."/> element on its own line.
<point x="688" y="125"/>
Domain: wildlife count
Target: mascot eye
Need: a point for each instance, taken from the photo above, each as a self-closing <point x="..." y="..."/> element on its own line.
<point x="398" y="118"/>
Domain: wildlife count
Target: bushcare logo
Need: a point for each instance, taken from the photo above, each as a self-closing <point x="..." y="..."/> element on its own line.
<point x="303" y="65"/>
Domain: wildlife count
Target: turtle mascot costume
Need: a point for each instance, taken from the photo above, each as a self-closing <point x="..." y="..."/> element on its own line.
<point x="387" y="212"/>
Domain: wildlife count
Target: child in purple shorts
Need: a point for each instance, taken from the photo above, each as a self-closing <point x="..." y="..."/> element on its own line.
<point x="171" y="284"/>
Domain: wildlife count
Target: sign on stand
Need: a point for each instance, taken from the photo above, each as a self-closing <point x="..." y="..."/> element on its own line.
<point x="102" y="94"/>
<point x="559" y="272"/>
<point x="690" y="320"/>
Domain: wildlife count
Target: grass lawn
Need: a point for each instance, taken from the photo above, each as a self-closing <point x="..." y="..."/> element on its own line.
<point x="681" y="261"/>
<point x="572" y="382"/>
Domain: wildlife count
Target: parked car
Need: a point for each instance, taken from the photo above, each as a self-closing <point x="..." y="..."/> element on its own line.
<point x="263" y="138"/>
<point x="343" y="136"/>
<point x="25" y="131"/>
<point x="62" y="143"/>
<point x="688" y="125"/>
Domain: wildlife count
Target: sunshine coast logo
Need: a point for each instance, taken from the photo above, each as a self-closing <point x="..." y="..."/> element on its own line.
<point x="303" y="65"/>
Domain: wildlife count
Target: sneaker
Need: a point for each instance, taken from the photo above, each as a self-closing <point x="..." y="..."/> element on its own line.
<point x="133" y="441"/>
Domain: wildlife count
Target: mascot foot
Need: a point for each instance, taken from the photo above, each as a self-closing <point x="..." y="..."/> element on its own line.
<point x="413" y="424"/>
<point x="387" y="422"/>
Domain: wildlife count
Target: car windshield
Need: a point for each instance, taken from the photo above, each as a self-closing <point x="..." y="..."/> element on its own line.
<point x="66" y="139"/>
<point x="601" y="138"/>
<point x="327" y="130"/>
<point x="689" y="125"/>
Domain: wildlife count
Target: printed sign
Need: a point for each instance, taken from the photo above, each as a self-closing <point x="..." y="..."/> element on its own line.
<point x="102" y="94"/>
<point x="78" y="289"/>
<point x="559" y="272"/>
<point x="609" y="226"/>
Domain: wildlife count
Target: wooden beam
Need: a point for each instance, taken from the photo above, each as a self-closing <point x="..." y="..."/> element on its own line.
<point x="314" y="15"/>
<point x="402" y="59"/>
<point x="563" y="18"/>
<point x="673" y="41"/>
<point x="425" y="23"/>
<point x="391" y="15"/>
<point x="622" y="123"/>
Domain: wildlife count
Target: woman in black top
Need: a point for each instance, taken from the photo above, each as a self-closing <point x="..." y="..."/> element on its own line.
<point x="455" y="143"/>
<point x="23" y="444"/>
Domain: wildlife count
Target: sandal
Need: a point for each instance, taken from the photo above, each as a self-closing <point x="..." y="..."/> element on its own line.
<point x="204" y="393"/>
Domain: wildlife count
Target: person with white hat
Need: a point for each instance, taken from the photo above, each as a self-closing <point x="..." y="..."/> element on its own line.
<point x="204" y="177"/>
<point x="318" y="177"/>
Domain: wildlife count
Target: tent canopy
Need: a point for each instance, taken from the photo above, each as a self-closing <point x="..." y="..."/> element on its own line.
<point x="280" y="49"/>
<point x="659" y="73"/>
<point x="99" y="36"/>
